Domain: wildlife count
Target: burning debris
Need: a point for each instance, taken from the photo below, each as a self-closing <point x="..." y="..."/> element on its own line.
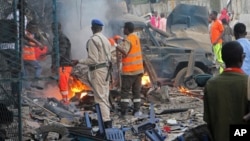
<point x="49" y="118"/>
<point x="193" y="93"/>
<point x="175" y="110"/>
<point x="145" y="80"/>
<point x="78" y="88"/>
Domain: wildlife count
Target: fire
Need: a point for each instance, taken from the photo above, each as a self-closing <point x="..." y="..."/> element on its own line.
<point x="77" y="86"/>
<point x="192" y="93"/>
<point x="184" y="90"/>
<point x="83" y="94"/>
<point x="145" y="79"/>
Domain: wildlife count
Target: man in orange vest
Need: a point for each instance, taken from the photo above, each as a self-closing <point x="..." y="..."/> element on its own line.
<point x="29" y="56"/>
<point x="132" y="70"/>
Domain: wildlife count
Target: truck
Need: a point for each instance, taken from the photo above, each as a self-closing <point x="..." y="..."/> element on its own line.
<point x="173" y="57"/>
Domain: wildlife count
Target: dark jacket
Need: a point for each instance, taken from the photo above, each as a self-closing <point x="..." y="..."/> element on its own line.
<point x="64" y="51"/>
<point x="225" y="103"/>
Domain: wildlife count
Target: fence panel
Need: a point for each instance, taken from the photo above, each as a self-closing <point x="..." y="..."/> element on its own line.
<point x="22" y="21"/>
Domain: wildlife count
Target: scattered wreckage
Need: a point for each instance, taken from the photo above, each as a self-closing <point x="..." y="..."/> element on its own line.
<point x="184" y="50"/>
<point x="168" y="59"/>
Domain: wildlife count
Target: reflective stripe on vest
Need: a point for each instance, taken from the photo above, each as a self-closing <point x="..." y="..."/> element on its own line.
<point x="125" y="100"/>
<point x="133" y="63"/>
<point x="137" y="100"/>
<point x="29" y="53"/>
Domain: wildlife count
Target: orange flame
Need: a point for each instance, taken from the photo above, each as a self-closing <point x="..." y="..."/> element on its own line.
<point x="77" y="86"/>
<point x="190" y="93"/>
<point x="183" y="90"/>
<point x="145" y="79"/>
<point x="83" y="94"/>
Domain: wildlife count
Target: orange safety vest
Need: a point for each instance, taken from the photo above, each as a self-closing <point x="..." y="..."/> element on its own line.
<point x="133" y="64"/>
<point x="29" y="53"/>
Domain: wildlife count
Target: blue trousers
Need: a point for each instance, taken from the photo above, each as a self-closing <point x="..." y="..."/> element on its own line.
<point x="34" y="64"/>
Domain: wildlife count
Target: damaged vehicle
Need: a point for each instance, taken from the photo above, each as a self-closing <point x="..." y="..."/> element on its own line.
<point x="173" y="57"/>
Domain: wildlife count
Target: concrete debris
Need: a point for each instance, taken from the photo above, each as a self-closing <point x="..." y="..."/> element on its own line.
<point x="31" y="124"/>
<point x="53" y="136"/>
<point x="173" y="118"/>
<point x="171" y="121"/>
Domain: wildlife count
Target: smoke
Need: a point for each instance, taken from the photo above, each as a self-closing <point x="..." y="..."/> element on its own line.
<point x="76" y="16"/>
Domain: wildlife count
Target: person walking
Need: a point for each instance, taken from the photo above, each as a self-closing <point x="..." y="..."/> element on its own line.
<point x="132" y="70"/>
<point x="225" y="95"/>
<point x="98" y="60"/>
<point x="216" y="33"/>
<point x="240" y="35"/>
<point x="65" y="62"/>
<point x="29" y="55"/>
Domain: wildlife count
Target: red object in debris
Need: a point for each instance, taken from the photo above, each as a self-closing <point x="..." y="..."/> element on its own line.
<point x="167" y="129"/>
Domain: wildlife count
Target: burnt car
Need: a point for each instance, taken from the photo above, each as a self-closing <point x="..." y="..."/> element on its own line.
<point x="173" y="57"/>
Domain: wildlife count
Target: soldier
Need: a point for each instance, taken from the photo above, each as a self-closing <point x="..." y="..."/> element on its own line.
<point x="99" y="56"/>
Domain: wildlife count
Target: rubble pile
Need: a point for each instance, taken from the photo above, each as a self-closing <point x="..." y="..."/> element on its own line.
<point x="48" y="118"/>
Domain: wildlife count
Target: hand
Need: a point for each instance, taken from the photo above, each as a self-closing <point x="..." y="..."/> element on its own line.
<point x="42" y="56"/>
<point x="215" y="43"/>
<point x="74" y="62"/>
<point x="40" y="45"/>
<point x="117" y="37"/>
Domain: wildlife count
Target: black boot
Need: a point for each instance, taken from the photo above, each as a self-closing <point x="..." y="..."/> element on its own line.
<point x="137" y="106"/>
<point x="124" y="109"/>
<point x="108" y="124"/>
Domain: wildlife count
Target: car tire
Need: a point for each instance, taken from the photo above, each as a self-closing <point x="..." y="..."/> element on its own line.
<point x="190" y="84"/>
<point x="43" y="131"/>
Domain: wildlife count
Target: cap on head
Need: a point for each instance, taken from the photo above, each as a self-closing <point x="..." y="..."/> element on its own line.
<point x="96" y="22"/>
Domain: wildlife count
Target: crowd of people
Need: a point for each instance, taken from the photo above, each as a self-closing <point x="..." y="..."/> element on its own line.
<point x="227" y="95"/>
